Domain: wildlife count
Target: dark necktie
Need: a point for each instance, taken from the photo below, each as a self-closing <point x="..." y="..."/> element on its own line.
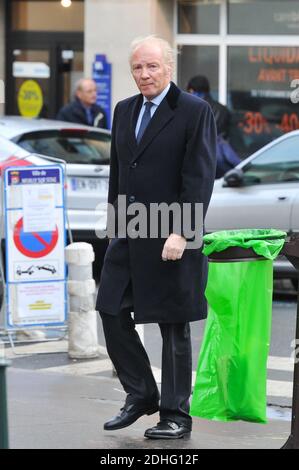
<point x="89" y="116"/>
<point x="145" y="120"/>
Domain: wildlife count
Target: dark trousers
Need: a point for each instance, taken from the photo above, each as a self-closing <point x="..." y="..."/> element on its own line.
<point x="134" y="371"/>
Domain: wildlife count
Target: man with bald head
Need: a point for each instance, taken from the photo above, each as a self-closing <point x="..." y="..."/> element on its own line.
<point x="83" y="109"/>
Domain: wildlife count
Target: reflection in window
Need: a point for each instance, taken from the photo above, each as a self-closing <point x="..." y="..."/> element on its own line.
<point x="278" y="164"/>
<point x="259" y="93"/>
<point x="198" y="16"/>
<point x="36" y="59"/>
<point x="72" y="146"/>
<point x="263" y="17"/>
<point x="198" y="60"/>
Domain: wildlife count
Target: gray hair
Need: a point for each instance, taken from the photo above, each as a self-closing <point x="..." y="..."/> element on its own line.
<point x="79" y="83"/>
<point x="166" y="49"/>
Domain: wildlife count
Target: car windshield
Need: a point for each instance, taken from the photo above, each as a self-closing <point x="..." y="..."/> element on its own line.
<point x="72" y="145"/>
<point x="277" y="164"/>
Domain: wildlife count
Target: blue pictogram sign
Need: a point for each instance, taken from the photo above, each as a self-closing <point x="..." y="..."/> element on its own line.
<point x="102" y="75"/>
<point x="36" y="244"/>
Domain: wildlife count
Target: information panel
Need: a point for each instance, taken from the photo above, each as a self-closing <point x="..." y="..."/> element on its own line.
<point x="102" y="75"/>
<point x="35" y="240"/>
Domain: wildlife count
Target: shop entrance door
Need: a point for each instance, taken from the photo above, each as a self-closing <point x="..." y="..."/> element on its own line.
<point x="42" y="71"/>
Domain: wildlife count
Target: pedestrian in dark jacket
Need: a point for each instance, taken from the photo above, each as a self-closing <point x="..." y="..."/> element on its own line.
<point x="83" y="109"/>
<point x="163" y="150"/>
<point x="227" y="157"/>
<point x="200" y="86"/>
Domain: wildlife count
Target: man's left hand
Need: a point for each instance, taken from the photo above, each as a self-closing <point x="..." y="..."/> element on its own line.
<point x="174" y="247"/>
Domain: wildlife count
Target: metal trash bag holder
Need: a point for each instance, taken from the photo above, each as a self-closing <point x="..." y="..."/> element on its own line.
<point x="290" y="250"/>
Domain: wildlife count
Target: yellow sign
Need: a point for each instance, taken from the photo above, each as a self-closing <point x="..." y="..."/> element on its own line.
<point x="30" y="99"/>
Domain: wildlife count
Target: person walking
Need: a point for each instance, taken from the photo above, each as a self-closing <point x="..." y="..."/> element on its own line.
<point x="83" y="109"/>
<point x="163" y="151"/>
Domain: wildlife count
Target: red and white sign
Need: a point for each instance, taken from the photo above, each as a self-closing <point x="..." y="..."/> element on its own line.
<point x="35" y="243"/>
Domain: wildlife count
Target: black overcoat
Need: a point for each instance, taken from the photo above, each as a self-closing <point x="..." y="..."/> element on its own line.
<point x="75" y="112"/>
<point x="174" y="162"/>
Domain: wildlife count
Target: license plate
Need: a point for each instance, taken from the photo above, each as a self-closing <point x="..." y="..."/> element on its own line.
<point x="89" y="184"/>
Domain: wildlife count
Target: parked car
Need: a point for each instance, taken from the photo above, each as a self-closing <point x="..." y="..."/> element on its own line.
<point x="86" y="151"/>
<point x="261" y="192"/>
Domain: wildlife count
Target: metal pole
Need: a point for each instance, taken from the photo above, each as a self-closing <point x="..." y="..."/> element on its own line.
<point x="291" y="251"/>
<point x="3" y="406"/>
<point x="293" y="440"/>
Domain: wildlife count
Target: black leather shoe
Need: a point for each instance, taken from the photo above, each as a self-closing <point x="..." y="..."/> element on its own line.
<point x="129" y="414"/>
<point x="168" y="430"/>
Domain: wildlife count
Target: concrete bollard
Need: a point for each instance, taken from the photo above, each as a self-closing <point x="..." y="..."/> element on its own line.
<point x="82" y="319"/>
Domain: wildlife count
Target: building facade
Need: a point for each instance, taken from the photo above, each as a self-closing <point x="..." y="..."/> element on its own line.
<point x="248" y="49"/>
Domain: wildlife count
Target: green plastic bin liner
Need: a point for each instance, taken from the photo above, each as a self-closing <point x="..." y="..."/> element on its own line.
<point x="231" y="375"/>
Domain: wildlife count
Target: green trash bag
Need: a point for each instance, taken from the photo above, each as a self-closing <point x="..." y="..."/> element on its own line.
<point x="265" y="242"/>
<point x="232" y="367"/>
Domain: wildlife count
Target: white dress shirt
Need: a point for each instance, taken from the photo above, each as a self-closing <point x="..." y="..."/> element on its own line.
<point x="156" y="101"/>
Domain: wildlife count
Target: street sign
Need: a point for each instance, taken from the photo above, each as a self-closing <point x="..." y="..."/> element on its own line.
<point x="102" y="75"/>
<point x="35" y="240"/>
<point x="34" y="244"/>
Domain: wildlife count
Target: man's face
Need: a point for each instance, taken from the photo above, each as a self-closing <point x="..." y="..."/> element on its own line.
<point x="88" y="93"/>
<point x="149" y="70"/>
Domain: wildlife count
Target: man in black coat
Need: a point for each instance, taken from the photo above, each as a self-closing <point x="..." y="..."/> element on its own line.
<point x="163" y="151"/>
<point x="83" y="109"/>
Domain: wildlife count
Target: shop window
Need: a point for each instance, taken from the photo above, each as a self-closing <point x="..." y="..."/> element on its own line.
<point x="263" y="87"/>
<point x="31" y="75"/>
<point x="263" y="17"/>
<point x="198" y="17"/>
<point x="30" y="15"/>
<point x="198" y="60"/>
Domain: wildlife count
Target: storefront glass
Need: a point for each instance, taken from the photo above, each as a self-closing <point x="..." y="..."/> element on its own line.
<point x="263" y="90"/>
<point x="198" y="60"/>
<point x="263" y="17"/>
<point x="31" y="76"/>
<point x="198" y="17"/>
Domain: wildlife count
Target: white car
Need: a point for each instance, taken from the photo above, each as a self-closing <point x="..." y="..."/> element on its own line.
<point x="86" y="151"/>
<point x="261" y="192"/>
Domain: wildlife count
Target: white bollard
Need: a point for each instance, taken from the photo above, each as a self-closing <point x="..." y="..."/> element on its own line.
<point x="83" y="335"/>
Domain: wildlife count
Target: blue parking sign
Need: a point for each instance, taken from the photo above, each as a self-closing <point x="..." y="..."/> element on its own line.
<point x="102" y="75"/>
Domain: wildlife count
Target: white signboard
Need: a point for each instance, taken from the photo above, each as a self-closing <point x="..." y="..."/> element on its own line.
<point x="35" y="242"/>
<point x="38" y="207"/>
<point x="30" y="70"/>
<point x="36" y="303"/>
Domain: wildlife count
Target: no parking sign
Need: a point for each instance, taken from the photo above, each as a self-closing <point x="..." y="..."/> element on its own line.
<point x="35" y="240"/>
<point x="34" y="244"/>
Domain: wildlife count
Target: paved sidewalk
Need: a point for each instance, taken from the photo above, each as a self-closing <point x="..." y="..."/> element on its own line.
<point x="50" y="410"/>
